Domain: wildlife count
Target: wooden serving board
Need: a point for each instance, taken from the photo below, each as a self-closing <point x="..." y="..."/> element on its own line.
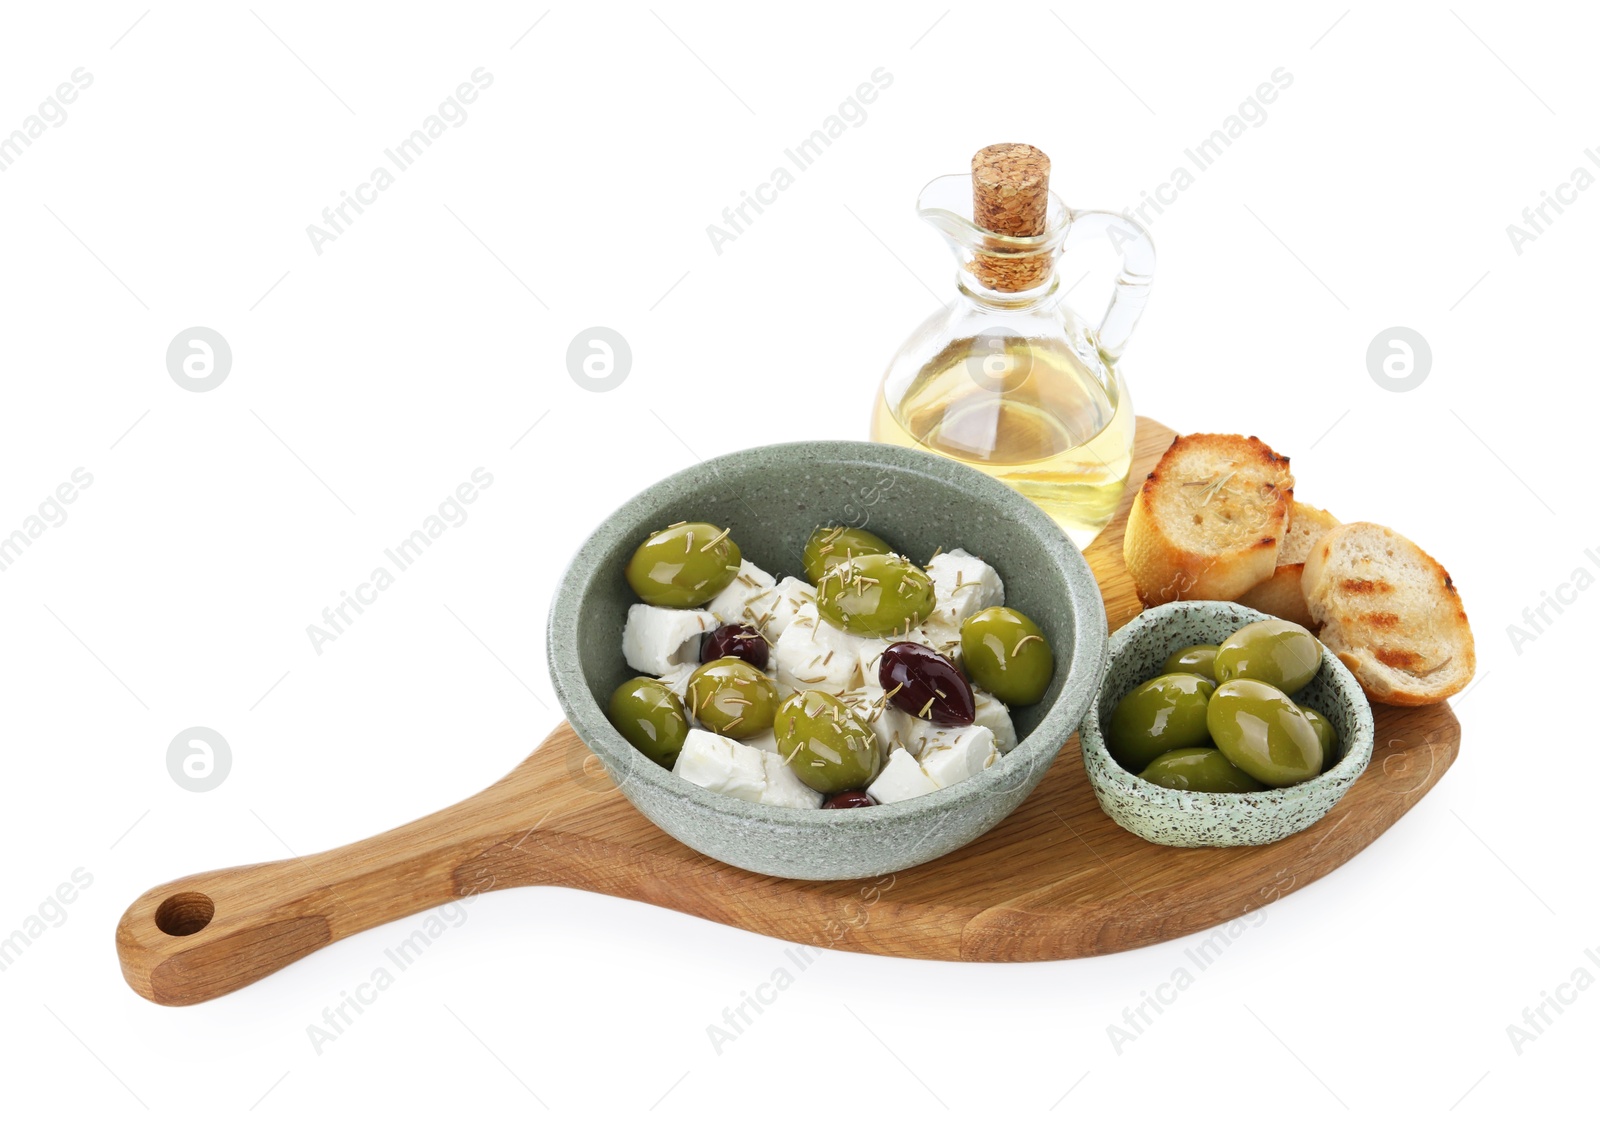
<point x="1057" y="879"/>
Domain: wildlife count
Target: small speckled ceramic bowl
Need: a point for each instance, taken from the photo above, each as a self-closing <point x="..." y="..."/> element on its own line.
<point x="1195" y="819"/>
<point x="772" y="498"/>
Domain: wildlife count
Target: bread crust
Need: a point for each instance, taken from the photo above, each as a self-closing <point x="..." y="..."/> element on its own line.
<point x="1207" y="523"/>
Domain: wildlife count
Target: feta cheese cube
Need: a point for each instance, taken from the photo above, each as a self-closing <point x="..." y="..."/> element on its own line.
<point x="922" y="737"/>
<point x="732" y="604"/>
<point x="784" y="787"/>
<point x="990" y="713"/>
<point x="918" y="734"/>
<point x="773" y="610"/>
<point x="871" y="655"/>
<point x="902" y="778"/>
<point x="963" y="585"/>
<point x="959" y="754"/>
<point x="936" y="635"/>
<point x="889" y="724"/>
<point x="721" y="764"/>
<point x="657" y="640"/>
<point x="939" y="635"/>
<point x="813" y="654"/>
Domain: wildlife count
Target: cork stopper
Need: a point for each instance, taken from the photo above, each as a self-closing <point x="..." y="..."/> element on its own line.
<point x="1010" y="196"/>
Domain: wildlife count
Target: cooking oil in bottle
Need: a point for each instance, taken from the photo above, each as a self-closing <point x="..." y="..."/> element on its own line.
<point x="1028" y="415"/>
<point x="1007" y="378"/>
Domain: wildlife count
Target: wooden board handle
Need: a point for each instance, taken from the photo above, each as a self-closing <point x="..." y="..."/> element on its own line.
<point x="208" y="934"/>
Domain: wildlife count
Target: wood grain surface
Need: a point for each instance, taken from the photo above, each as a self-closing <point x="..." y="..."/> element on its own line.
<point x="1057" y="879"/>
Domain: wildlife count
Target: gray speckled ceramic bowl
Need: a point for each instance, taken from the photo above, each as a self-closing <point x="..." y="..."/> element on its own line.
<point x="772" y="498"/>
<point x="1194" y="819"/>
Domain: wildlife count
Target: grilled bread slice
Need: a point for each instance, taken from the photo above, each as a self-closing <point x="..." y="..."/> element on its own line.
<point x="1280" y="594"/>
<point x="1208" y="521"/>
<point x="1391" y="613"/>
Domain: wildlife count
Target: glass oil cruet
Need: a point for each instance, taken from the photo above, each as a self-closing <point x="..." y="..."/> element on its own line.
<point x="1007" y="378"/>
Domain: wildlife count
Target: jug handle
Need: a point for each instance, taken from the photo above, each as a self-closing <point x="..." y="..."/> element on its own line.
<point x="1131" y="291"/>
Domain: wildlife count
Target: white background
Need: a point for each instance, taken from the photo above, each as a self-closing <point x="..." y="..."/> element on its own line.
<point x="369" y="380"/>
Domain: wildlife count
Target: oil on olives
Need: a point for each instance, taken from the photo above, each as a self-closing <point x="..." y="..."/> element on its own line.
<point x="825" y="744"/>
<point x="684" y="565"/>
<point x="732" y="698"/>
<point x="1005" y="653"/>
<point x="875" y="596"/>
<point x="1199" y="768"/>
<point x="1283" y="654"/>
<point x="926" y="684"/>
<point x="650" y="717"/>
<point x="1163" y="714"/>
<point x="735" y="640"/>
<point x="1192" y="659"/>
<point x="1263" y="732"/>
<point x="830" y="544"/>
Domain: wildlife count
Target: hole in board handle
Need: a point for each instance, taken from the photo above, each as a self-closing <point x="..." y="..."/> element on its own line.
<point x="183" y="914"/>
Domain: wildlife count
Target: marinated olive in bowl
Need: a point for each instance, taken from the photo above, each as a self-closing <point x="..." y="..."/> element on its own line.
<point x="650" y="716"/>
<point x="684" y="565"/>
<point x="830" y="749"/>
<point x="1164" y="714"/>
<point x="1199" y="659"/>
<point x="926" y="684"/>
<point x="1263" y="732"/>
<point x="1007" y="654"/>
<point x="1283" y="654"/>
<point x="828" y="545"/>
<point x="1199" y="768"/>
<point x="737" y="640"/>
<point x="1327" y="735"/>
<point x="876" y="595"/>
<point x="732" y="698"/>
<point x="850" y="800"/>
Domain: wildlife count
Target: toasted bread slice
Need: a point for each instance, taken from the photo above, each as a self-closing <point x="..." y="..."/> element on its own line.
<point x="1280" y="594"/>
<point x="1208" y="521"/>
<point x="1391" y="613"/>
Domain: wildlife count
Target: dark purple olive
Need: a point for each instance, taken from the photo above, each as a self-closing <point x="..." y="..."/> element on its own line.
<point x="850" y="800"/>
<point x="926" y="684"/>
<point x="734" y="640"/>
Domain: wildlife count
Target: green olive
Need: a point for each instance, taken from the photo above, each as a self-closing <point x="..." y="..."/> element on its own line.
<point x="1263" y="732"/>
<point x="875" y="596"/>
<point x="831" y="544"/>
<point x="684" y="565"/>
<point x="1283" y="654"/>
<point x="1192" y="659"/>
<point x="1006" y="654"/>
<point x="1326" y="732"/>
<point x="650" y="716"/>
<point x="1164" y="714"/>
<point x="825" y="744"/>
<point x="1199" y="768"/>
<point x="732" y="698"/>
